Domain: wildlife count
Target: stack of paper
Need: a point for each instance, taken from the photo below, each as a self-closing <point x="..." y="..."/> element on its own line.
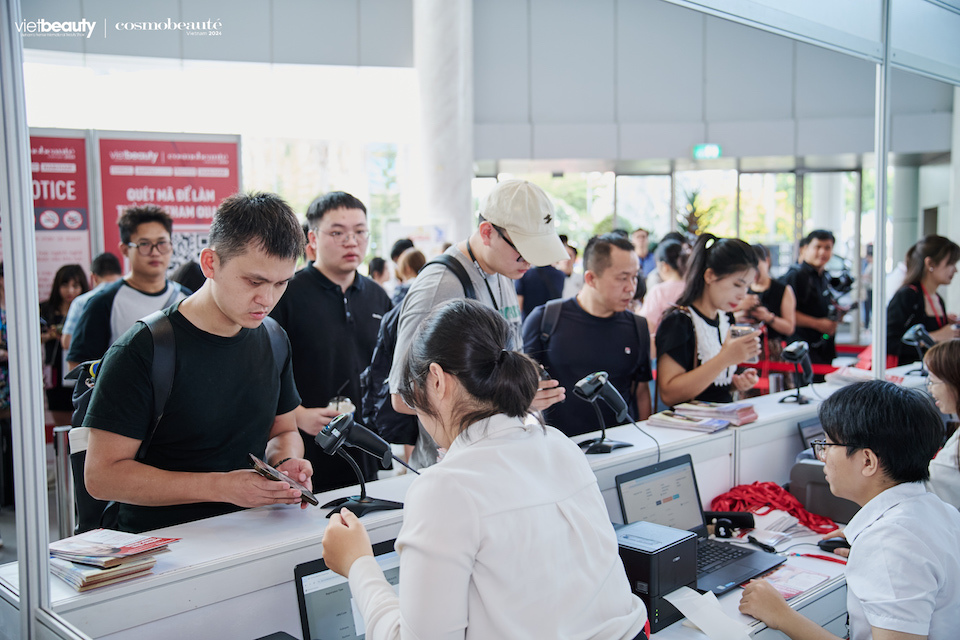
<point x="733" y="412"/>
<point x="849" y="375"/>
<point x="674" y="420"/>
<point x="101" y="557"/>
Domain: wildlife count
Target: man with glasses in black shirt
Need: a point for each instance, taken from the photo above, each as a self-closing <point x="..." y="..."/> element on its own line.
<point x="332" y="315"/>
<point x="145" y="243"/>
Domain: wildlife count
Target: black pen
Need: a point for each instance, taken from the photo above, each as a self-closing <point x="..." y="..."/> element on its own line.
<point x="762" y="545"/>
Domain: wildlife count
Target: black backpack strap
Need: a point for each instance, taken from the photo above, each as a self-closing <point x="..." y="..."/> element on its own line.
<point x="278" y="343"/>
<point x="164" y="359"/>
<point x="454" y="265"/>
<point x="549" y="319"/>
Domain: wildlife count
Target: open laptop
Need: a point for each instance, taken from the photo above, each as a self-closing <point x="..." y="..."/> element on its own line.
<point x="326" y="606"/>
<point x="666" y="494"/>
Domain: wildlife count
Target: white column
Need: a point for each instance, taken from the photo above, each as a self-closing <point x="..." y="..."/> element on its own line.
<point x="949" y="225"/>
<point x="905" y="217"/>
<point x="826" y="211"/>
<point x="443" y="56"/>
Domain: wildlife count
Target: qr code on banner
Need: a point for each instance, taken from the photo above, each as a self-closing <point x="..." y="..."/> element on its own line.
<point x="186" y="247"/>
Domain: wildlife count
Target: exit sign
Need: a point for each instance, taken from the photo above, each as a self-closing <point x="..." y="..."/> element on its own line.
<point x="707" y="151"/>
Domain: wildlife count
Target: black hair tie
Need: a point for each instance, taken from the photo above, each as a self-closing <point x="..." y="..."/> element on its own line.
<point x="503" y="354"/>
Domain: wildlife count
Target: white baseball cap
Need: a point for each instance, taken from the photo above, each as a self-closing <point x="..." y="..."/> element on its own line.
<point x="525" y="210"/>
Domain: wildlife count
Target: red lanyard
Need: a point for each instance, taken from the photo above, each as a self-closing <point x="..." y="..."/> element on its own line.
<point x="936" y="315"/>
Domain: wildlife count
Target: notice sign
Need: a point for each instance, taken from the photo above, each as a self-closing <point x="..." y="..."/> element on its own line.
<point x="61" y="206"/>
<point x="188" y="179"/>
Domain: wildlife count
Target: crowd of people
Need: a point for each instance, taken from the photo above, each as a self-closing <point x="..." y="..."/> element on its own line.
<point x="486" y="346"/>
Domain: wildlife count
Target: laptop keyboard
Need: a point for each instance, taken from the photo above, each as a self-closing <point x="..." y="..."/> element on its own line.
<point x="712" y="555"/>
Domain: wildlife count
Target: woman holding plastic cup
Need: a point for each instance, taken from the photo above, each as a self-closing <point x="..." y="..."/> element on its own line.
<point x="697" y="349"/>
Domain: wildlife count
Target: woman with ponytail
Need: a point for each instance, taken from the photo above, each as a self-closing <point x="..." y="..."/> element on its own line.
<point x="697" y="356"/>
<point x="931" y="263"/>
<point x="508" y="535"/>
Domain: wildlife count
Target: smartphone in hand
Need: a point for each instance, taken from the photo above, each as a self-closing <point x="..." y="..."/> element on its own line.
<point x="270" y="473"/>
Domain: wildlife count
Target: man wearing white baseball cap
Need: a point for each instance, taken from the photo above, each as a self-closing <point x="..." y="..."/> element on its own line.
<point x="516" y="231"/>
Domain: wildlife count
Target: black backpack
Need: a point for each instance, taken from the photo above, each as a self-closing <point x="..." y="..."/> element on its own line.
<point x="378" y="412"/>
<point x="93" y="513"/>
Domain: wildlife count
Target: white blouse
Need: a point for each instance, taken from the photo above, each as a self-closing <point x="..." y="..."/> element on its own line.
<point x="945" y="472"/>
<point x="507" y="537"/>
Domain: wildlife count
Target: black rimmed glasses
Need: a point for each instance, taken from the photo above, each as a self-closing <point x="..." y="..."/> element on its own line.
<point x="820" y="448"/>
<point x="501" y="233"/>
<point x="145" y="247"/>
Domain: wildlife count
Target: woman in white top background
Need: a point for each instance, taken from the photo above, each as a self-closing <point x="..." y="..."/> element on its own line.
<point x="508" y="535"/>
<point x="943" y="361"/>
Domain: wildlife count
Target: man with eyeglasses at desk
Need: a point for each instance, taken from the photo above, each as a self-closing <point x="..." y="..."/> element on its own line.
<point x="332" y="314"/>
<point x="516" y="232"/>
<point x="145" y="243"/>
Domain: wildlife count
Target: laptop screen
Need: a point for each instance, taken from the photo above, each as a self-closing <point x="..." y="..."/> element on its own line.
<point x="665" y="494"/>
<point x="327" y="609"/>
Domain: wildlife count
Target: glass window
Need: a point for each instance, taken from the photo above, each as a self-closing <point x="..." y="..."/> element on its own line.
<point x="767" y="214"/>
<point x="706" y="201"/>
<point x="644" y="201"/>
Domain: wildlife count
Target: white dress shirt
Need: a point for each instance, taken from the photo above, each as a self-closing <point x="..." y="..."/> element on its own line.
<point x="507" y="537"/>
<point x="903" y="573"/>
<point x="945" y="472"/>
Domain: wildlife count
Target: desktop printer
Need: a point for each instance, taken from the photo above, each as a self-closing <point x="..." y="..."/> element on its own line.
<point x="658" y="560"/>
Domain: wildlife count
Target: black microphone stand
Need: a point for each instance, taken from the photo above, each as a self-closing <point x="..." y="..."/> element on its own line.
<point x="361" y="504"/>
<point x="922" y="371"/>
<point x="601" y="444"/>
<point x="799" y="399"/>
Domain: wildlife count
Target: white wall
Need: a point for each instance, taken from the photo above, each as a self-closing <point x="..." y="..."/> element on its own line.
<point x="639" y="79"/>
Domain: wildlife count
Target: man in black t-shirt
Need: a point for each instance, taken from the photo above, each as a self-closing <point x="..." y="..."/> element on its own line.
<point x="227" y="400"/>
<point x="815" y="325"/>
<point x="594" y="332"/>
<point x="332" y="315"/>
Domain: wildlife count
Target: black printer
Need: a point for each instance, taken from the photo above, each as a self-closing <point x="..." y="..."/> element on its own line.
<point x="658" y="560"/>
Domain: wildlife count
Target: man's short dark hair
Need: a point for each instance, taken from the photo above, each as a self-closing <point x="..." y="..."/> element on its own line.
<point x="133" y="217"/>
<point x="106" y="264"/>
<point x="376" y="266"/>
<point x="331" y="202"/>
<point x="399" y="247"/>
<point x="901" y="426"/>
<point x="263" y="219"/>
<point x="819" y="234"/>
<point x="596" y="257"/>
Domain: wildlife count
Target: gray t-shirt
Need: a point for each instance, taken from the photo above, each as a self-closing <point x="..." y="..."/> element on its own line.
<point x="434" y="285"/>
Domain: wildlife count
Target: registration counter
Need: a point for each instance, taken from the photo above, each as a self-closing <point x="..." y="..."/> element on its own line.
<point x="232" y="576"/>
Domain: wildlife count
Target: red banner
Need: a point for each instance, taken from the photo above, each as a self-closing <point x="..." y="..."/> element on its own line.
<point x="61" y="206"/>
<point x="188" y="179"/>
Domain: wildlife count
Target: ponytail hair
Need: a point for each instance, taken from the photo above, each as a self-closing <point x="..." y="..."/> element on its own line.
<point x="675" y="254"/>
<point x="722" y="255"/>
<point x="470" y="342"/>
<point x="937" y="248"/>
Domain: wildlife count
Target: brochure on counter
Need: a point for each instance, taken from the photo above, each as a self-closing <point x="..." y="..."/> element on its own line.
<point x="736" y="413"/>
<point x="674" y="420"/>
<point x="107" y="548"/>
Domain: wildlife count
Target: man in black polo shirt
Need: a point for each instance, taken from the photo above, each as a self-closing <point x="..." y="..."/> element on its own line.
<point x="595" y="332"/>
<point x="332" y="314"/>
<point x="814" y="300"/>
